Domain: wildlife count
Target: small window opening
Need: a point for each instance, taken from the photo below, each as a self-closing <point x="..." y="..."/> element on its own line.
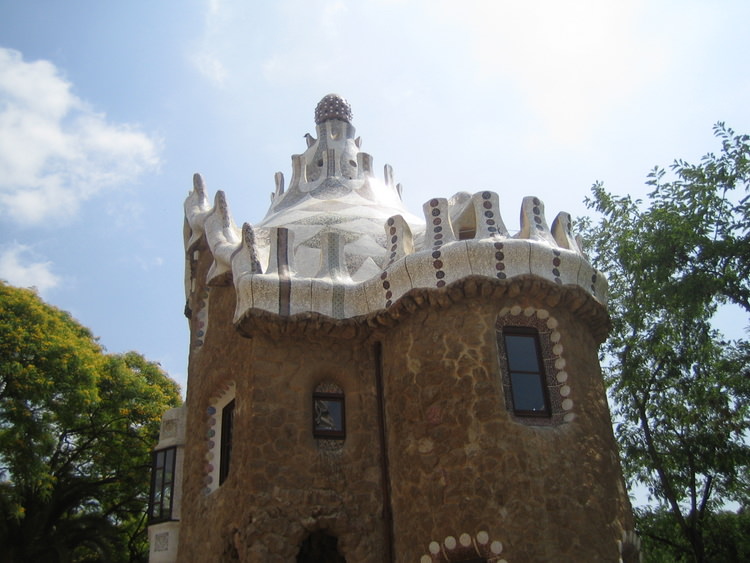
<point x="319" y="547"/>
<point x="329" y="416"/>
<point x="526" y="372"/>
<point x="162" y="485"/>
<point x="227" y="429"/>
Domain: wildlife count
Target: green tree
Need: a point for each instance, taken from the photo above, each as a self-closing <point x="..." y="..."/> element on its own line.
<point x="726" y="537"/>
<point x="680" y="391"/>
<point x="76" y="430"/>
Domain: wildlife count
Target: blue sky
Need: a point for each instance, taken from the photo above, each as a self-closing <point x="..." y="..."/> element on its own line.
<point x="107" y="109"/>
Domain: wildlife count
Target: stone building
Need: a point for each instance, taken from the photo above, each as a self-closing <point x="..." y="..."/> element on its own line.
<point x="368" y="386"/>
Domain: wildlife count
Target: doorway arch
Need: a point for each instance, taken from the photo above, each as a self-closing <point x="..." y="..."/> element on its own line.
<point x="320" y="547"/>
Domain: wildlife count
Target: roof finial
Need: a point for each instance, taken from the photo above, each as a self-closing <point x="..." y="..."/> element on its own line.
<point x="333" y="106"/>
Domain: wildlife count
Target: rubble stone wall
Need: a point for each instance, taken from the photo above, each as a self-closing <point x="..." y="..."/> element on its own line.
<point x="460" y="465"/>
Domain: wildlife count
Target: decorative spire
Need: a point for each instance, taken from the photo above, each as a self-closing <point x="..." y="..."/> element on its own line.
<point x="333" y="106"/>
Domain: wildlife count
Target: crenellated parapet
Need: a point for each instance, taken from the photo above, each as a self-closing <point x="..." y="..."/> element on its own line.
<point x="463" y="236"/>
<point x="339" y="243"/>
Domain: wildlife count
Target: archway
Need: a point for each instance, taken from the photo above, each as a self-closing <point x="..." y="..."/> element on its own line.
<point x="319" y="547"/>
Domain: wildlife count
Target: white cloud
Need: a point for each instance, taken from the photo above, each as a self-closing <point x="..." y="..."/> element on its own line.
<point x="55" y="151"/>
<point x="206" y="55"/>
<point x="210" y="66"/>
<point x="570" y="62"/>
<point x="18" y="268"/>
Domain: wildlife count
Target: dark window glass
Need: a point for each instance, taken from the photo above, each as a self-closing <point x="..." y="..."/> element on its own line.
<point x="526" y="371"/>
<point x="227" y="429"/>
<point x="162" y="485"/>
<point x="329" y="418"/>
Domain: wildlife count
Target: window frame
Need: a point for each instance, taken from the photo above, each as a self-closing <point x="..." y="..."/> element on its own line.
<point x="165" y="514"/>
<point x="541" y="374"/>
<point x="329" y="434"/>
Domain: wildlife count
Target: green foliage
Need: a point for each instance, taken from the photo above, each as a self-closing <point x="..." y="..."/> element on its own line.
<point x="726" y="537"/>
<point x="680" y="391"/>
<point x="76" y="430"/>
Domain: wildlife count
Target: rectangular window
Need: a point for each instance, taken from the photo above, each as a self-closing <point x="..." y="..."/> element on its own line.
<point x="526" y="372"/>
<point x="227" y="429"/>
<point x="162" y="485"/>
<point x="329" y="418"/>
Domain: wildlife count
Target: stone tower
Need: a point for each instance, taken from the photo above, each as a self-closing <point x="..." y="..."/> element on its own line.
<point x="369" y="386"/>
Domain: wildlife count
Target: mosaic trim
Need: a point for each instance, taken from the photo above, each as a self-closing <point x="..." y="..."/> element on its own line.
<point x="201" y="318"/>
<point x="282" y="259"/>
<point x="393" y="234"/>
<point x="489" y="221"/>
<point x="464" y="547"/>
<point x="387" y="288"/>
<point x="558" y="387"/>
<point x="213" y="436"/>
